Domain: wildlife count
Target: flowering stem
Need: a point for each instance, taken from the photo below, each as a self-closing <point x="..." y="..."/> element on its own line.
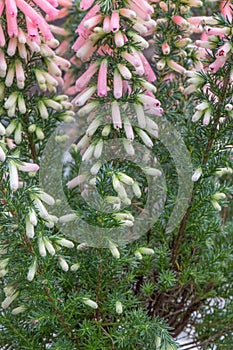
<point x="205" y="160"/>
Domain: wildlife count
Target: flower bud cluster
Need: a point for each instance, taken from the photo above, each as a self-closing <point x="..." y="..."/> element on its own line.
<point x="173" y="43"/>
<point x="119" y="74"/>
<point x="28" y="64"/>
<point x="215" y="63"/>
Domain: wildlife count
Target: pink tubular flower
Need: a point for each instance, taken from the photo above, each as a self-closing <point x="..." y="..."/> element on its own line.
<point x="11" y="7"/>
<point x="149" y="74"/>
<point x="176" y="67"/>
<point x="144" y="6"/>
<point x="107" y="25"/>
<point x="93" y="11"/>
<point x="224" y="49"/>
<point x="28" y="167"/>
<point x="131" y="59"/>
<point x="217" y="64"/>
<point x="11" y="10"/>
<point x="127" y="13"/>
<point x="102" y="79"/>
<point x="115" y="22"/>
<point x="2" y="37"/>
<point x="76" y="181"/>
<point x="86" y="4"/>
<point x="47" y="8"/>
<point x="119" y="39"/>
<point x="12" y="28"/>
<point x="92" y="22"/>
<point x="139" y="11"/>
<point x="86" y="51"/>
<point x="85" y="78"/>
<point x="217" y="31"/>
<point x="165" y="49"/>
<point x="226" y="9"/>
<point x="32" y="31"/>
<point x="29" y="11"/>
<point x="118" y="85"/>
<point x="84" y="96"/>
<point x="180" y="21"/>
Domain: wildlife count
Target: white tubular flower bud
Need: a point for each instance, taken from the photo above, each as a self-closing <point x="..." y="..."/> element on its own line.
<point x="90" y="303"/>
<point x="128" y="129"/>
<point x="11" y="127"/>
<point x="88" y="153"/>
<point x="29" y="228"/>
<point x="141" y="42"/>
<point x="113" y="248"/>
<point x="45" y="197"/>
<point x="140" y="116"/>
<point x="87" y="108"/>
<point x="9" y="290"/>
<point x="124" y="71"/>
<point x="18" y="310"/>
<point x="137" y="190"/>
<point x="197" y="174"/>
<point x="98" y="149"/>
<point x="18" y="133"/>
<point x="63" y="264"/>
<point x="93" y="126"/>
<point x="75" y="267"/>
<point x="33" y="217"/>
<point x="10" y="76"/>
<point x="2" y="130"/>
<point x="32" y="271"/>
<point x="125" y="178"/>
<point x="42" y="210"/>
<point x="127" y="223"/>
<point x="21" y="104"/>
<point x="115" y="182"/>
<point x="68" y="218"/>
<point x="84" y="142"/>
<point x="216" y="205"/>
<point x="43" y="110"/>
<point x="128" y="147"/>
<point x="224" y="171"/>
<point x="82" y="98"/>
<point x="145" y="138"/>
<point x="53" y="104"/>
<point x="119" y="188"/>
<point x="11" y="101"/>
<point x="41" y="247"/>
<point x="113" y="200"/>
<point x="39" y="133"/>
<point x="65" y="243"/>
<point x="146" y="251"/>
<point x="152" y="171"/>
<point x="124" y="216"/>
<point x="119" y="308"/>
<point x="138" y="255"/>
<point x="49" y="246"/>
<point x="8" y="300"/>
<point x="219" y="195"/>
<point x="95" y="168"/>
<point x="106" y="130"/>
<point x="14" y="178"/>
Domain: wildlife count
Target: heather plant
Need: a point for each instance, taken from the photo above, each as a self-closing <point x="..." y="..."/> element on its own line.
<point x="116" y="214"/>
